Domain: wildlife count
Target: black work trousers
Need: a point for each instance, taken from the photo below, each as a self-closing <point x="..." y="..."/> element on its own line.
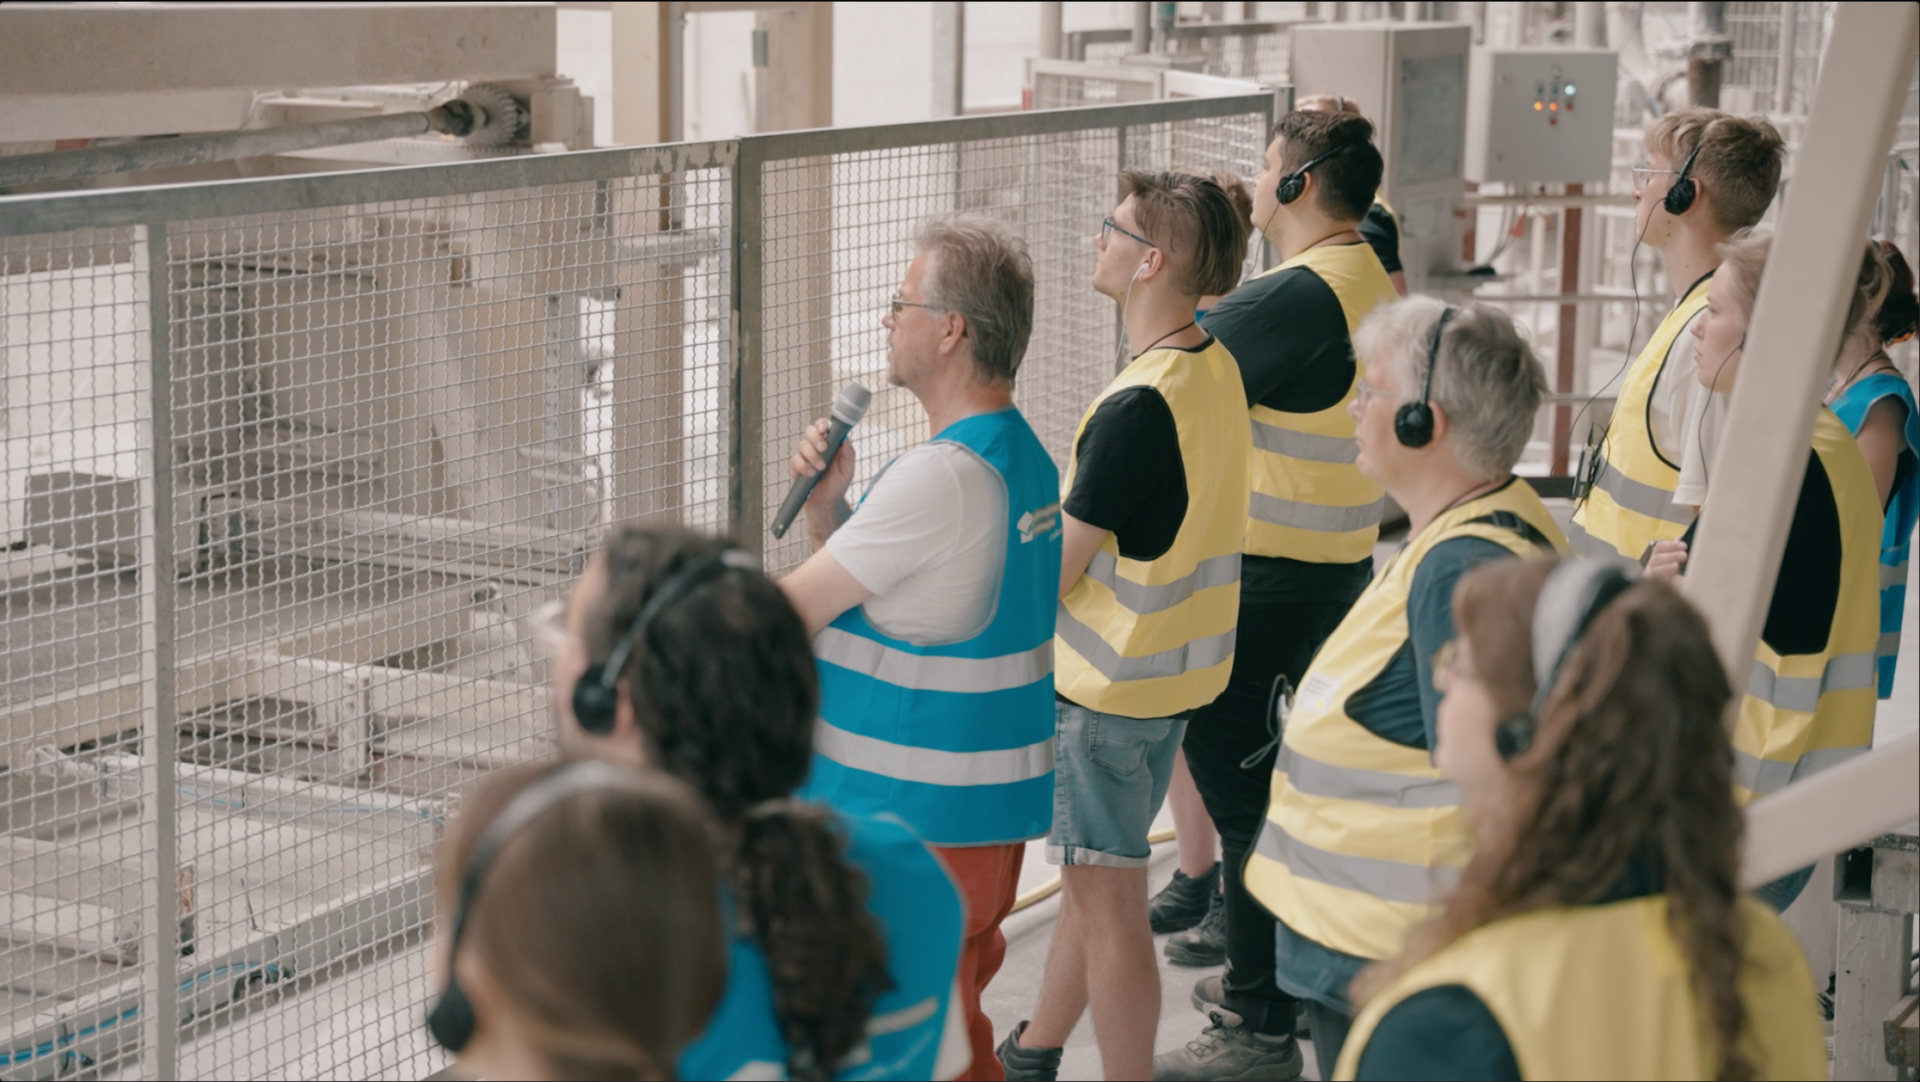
<point x="1230" y="747"/>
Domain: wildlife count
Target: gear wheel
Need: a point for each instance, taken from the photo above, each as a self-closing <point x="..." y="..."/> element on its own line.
<point x="503" y="116"/>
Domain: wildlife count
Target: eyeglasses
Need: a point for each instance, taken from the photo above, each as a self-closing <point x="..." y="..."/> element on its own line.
<point x="896" y="303"/>
<point x="1643" y="176"/>
<point x="1108" y="225"/>
<point x="1364" y="392"/>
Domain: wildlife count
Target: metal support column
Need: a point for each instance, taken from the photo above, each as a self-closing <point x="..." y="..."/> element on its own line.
<point x="160" y="946"/>
<point x="746" y="486"/>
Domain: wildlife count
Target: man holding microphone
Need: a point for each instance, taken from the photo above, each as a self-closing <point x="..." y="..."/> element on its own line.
<point x="932" y="602"/>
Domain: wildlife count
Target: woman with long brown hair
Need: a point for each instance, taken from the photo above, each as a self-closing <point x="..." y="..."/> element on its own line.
<point x="679" y="654"/>
<point x="1599" y="930"/>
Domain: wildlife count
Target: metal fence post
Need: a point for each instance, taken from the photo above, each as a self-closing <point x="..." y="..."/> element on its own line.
<point x="746" y="490"/>
<point x="159" y="1008"/>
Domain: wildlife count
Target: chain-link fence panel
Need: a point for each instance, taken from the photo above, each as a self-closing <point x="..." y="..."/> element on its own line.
<point x="266" y="610"/>
<point x="80" y="645"/>
<point x="839" y="213"/>
<point x="291" y="463"/>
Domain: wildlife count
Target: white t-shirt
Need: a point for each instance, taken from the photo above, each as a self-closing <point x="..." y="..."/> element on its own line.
<point x="930" y="542"/>
<point x="1687" y="418"/>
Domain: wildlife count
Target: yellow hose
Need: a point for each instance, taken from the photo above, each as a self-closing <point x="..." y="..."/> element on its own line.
<point x="1052" y="886"/>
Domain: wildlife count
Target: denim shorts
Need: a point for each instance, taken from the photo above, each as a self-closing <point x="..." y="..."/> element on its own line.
<point x="1110" y="777"/>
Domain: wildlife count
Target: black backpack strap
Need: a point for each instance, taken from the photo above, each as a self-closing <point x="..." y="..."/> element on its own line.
<point x="1507" y="520"/>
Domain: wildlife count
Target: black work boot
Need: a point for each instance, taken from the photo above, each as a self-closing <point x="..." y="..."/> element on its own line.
<point x="1205" y="944"/>
<point x="1183" y="903"/>
<point x="1210" y="994"/>
<point x="1227" y="1049"/>
<point x="1027" y="1064"/>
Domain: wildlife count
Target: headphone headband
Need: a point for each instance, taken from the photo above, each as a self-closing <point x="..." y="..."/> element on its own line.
<point x="1294" y="183"/>
<point x="1413" y="421"/>
<point x="451" y="1020"/>
<point x="1575" y="592"/>
<point x="595" y="693"/>
<point x="1684" y="190"/>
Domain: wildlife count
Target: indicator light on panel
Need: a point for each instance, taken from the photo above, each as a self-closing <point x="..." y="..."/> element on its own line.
<point x="1553" y="107"/>
<point x="1537" y="106"/>
<point x="1569" y="90"/>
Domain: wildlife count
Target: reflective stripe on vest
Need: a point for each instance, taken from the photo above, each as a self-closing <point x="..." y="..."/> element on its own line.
<point x="1310" y="502"/>
<point x="1363" y="835"/>
<point x="1902" y="509"/>
<point x="924" y="672"/>
<point x="1154" y="638"/>
<point x="1802" y="713"/>
<point x="1633" y="979"/>
<point x="904" y="762"/>
<point x="956" y="738"/>
<point x="1631" y="505"/>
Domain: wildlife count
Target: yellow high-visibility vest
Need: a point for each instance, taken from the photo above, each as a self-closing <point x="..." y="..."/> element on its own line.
<point x="1310" y="502"/>
<point x="1803" y="713"/>
<point x="1154" y="638"/>
<point x="1631" y="505"/>
<point x="1604" y="991"/>
<point x="1363" y="836"/>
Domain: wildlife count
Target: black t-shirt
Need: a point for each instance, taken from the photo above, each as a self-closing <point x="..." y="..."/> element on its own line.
<point x="1807" y="591"/>
<point x="1288" y="333"/>
<point x="1382" y="234"/>
<point x="1128" y="474"/>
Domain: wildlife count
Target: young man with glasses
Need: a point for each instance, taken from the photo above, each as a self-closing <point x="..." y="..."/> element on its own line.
<point x="932" y="603"/>
<point x="1708" y="176"/>
<point x="1155" y="511"/>
<point x="1309" y="548"/>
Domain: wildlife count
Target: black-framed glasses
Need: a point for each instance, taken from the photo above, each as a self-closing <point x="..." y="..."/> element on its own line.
<point x="1108" y="225"/>
<point x="897" y="302"/>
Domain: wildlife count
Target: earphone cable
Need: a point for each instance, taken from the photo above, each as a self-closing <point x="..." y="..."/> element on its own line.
<point x="1633" y="328"/>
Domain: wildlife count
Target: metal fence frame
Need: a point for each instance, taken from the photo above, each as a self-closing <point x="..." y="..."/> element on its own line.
<point x="183" y="988"/>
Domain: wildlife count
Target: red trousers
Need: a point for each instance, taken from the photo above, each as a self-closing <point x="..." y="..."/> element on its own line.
<point x="989" y="880"/>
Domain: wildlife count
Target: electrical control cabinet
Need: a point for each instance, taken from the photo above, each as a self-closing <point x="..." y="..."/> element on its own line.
<point x="1539" y="116"/>
<point x="1410" y="79"/>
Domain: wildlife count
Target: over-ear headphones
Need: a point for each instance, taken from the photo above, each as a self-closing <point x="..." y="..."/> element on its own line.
<point x="1295" y="182"/>
<point x="596" y="694"/>
<point x="1572" y="596"/>
<point x="1681" y="194"/>
<point x="1413" y="421"/>
<point x="451" y="1020"/>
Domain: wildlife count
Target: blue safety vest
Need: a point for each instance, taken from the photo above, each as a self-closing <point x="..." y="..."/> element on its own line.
<point x="1903" y="507"/>
<point x="920" y="913"/>
<point x="957" y="738"/>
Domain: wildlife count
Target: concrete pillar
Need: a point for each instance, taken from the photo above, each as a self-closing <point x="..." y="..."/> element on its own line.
<point x="949" y="58"/>
<point x="1053" y="39"/>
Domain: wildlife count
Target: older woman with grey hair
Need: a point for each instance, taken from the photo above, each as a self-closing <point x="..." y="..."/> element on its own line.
<point x="1362" y="834"/>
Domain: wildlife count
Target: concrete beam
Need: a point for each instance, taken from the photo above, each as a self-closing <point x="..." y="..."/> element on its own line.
<point x="71" y="49"/>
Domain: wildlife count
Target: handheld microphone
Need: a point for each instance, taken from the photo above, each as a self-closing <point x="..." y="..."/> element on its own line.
<point x="847" y="411"/>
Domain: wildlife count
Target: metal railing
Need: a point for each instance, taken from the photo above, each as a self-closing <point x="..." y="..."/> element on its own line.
<point x="287" y="460"/>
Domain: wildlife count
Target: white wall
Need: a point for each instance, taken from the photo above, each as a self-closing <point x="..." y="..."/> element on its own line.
<point x="883" y="61"/>
<point x="581" y="52"/>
